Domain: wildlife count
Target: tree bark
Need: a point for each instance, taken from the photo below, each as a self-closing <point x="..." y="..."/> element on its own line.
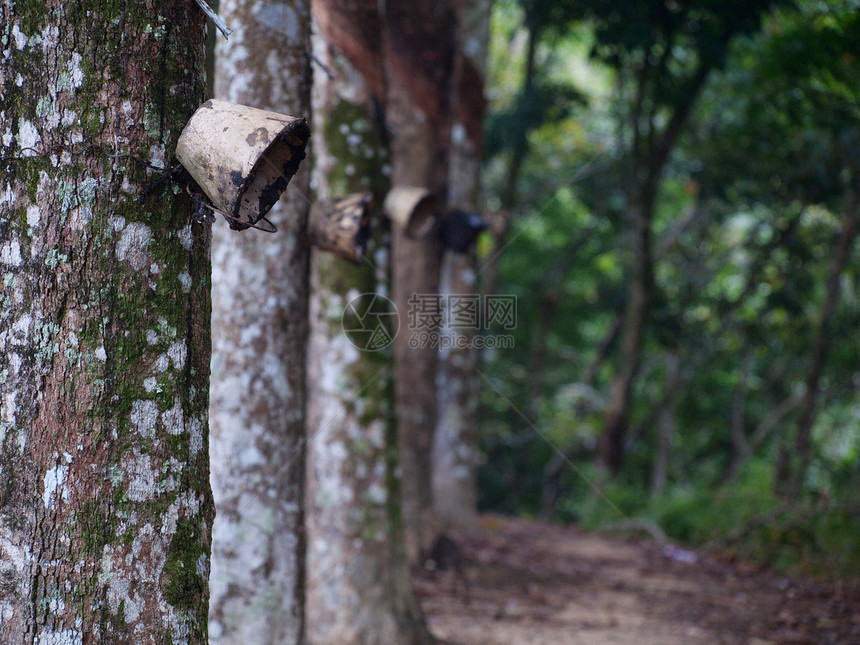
<point x="105" y="510"/>
<point x="415" y="270"/>
<point x="260" y="296"/>
<point x="633" y="321"/>
<point x="414" y="44"/>
<point x="358" y="588"/>
<point x="650" y="152"/>
<point x="419" y="58"/>
<point x="455" y="442"/>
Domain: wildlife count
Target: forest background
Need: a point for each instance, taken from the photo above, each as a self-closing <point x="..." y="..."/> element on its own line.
<point x="687" y="346"/>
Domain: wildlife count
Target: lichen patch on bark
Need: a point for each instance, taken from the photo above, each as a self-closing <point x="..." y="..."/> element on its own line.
<point x="83" y="400"/>
<point x="259" y="313"/>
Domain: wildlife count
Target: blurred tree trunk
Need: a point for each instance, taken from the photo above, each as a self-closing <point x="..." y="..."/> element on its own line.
<point x="508" y="197"/>
<point x="419" y="61"/>
<point x="640" y="287"/>
<point x="540" y="335"/>
<point x="538" y="353"/>
<point x="260" y="292"/>
<point x="358" y="587"/>
<point x="455" y="444"/>
<point x="409" y="69"/>
<point x="666" y="423"/>
<point x="652" y="147"/>
<point x="587" y="404"/>
<point x="106" y="511"/>
<point x="740" y="446"/>
<point x="791" y="468"/>
<point x="520" y="145"/>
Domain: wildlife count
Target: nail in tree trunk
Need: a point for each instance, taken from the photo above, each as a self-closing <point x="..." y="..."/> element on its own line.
<point x="260" y="291"/>
<point x="358" y="581"/>
<point x="105" y="511"/>
<point x="455" y="443"/>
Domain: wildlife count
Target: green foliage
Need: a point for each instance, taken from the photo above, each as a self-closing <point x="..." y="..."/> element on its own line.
<point x="545" y="102"/>
<point x="747" y="213"/>
<point x="744" y="518"/>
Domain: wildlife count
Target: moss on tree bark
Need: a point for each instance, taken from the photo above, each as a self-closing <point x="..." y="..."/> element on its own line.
<point x="105" y="510"/>
<point x="358" y="585"/>
<point x="260" y="292"/>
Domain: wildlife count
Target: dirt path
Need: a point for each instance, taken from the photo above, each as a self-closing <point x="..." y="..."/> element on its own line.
<point x="527" y="583"/>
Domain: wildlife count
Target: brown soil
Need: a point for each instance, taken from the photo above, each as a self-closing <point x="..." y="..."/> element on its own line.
<point x="522" y="582"/>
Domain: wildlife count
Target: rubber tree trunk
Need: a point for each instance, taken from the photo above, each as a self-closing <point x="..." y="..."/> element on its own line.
<point x="419" y="60"/>
<point x="260" y="295"/>
<point x="404" y="51"/>
<point x="358" y="588"/>
<point x="455" y="443"/>
<point x="105" y="510"/>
